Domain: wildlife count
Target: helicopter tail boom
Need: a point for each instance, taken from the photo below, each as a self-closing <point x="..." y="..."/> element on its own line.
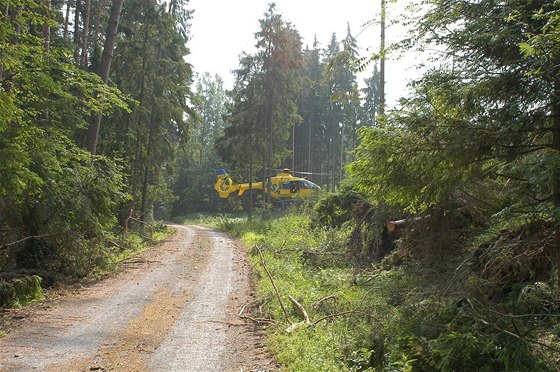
<point x="225" y="185"/>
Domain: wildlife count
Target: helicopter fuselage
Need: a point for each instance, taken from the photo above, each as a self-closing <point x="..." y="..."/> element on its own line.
<point x="280" y="187"/>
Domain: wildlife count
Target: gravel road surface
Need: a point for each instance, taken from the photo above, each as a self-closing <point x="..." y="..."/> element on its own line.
<point x="174" y="308"/>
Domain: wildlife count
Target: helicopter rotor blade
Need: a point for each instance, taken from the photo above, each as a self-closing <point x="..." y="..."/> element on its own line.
<point x="301" y="172"/>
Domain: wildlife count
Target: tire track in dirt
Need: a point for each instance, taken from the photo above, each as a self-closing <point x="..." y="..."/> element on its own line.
<point x="174" y="309"/>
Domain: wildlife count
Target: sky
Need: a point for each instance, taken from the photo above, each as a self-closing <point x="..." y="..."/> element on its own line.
<point x="222" y="29"/>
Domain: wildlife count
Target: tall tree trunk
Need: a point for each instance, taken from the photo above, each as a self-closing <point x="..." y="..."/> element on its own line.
<point x="85" y="34"/>
<point x="135" y="170"/>
<point x="140" y="98"/>
<point x="556" y="139"/>
<point x="6" y="13"/>
<point x="293" y="147"/>
<point x="47" y="27"/>
<point x="77" y="11"/>
<point x="341" y="156"/>
<point x="331" y="161"/>
<point x="18" y="24"/>
<point x="264" y="180"/>
<point x="309" y="161"/>
<point x="250" y="185"/>
<point x="100" y="6"/>
<point x="66" y="20"/>
<point x="46" y="43"/>
<point x="382" y="62"/>
<point x="105" y="67"/>
<point x="144" y="205"/>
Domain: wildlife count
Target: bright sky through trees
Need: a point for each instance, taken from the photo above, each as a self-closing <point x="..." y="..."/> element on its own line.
<point x="222" y="29"/>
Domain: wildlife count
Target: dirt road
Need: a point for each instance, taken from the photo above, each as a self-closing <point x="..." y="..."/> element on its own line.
<point x="175" y="308"/>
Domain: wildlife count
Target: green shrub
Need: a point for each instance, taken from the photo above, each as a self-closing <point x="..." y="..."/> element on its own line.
<point x="20" y="291"/>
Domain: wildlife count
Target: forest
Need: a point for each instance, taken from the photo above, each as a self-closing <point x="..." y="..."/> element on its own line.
<point x="434" y="243"/>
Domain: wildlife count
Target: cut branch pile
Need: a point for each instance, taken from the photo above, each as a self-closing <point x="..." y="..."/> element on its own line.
<point x="298" y="306"/>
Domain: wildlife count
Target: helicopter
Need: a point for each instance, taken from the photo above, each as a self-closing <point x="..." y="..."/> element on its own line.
<point x="284" y="186"/>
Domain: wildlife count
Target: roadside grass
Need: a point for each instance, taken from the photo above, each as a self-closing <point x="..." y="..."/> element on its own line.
<point x="206" y="219"/>
<point x="21" y="288"/>
<point x="329" y="290"/>
<point x="416" y="310"/>
<point x="133" y="244"/>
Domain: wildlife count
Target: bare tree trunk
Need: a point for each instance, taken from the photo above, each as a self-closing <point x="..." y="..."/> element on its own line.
<point x="106" y="59"/>
<point x="309" y="161"/>
<point x="100" y="6"/>
<point x="77" y="11"/>
<point x="85" y="33"/>
<point x="341" y="165"/>
<point x="382" y="62"/>
<point x="136" y="164"/>
<point x="330" y="164"/>
<point x="66" y="20"/>
<point x="556" y="139"/>
<point x="144" y="206"/>
<point x="293" y="147"/>
<point x="18" y="24"/>
<point x="6" y="14"/>
<point x="135" y="171"/>
<point x="250" y="185"/>
<point x="47" y="27"/>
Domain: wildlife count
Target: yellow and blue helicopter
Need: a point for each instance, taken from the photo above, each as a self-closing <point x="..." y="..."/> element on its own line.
<point x="282" y="187"/>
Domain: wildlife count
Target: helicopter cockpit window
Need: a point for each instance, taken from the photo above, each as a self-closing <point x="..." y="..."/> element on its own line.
<point x="285" y="185"/>
<point x="304" y="184"/>
<point x="294" y="186"/>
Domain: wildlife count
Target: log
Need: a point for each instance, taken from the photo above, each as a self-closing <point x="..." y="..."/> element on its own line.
<point x="398" y="225"/>
<point x="395" y="226"/>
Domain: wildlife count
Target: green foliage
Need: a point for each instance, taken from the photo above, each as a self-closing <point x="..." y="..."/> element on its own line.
<point x="420" y="314"/>
<point x="65" y="182"/>
<point x="59" y="206"/>
<point x="20" y="291"/>
<point x="479" y="127"/>
<point x="263" y="111"/>
<point x="149" y="65"/>
<point x="193" y="181"/>
<point x="334" y="209"/>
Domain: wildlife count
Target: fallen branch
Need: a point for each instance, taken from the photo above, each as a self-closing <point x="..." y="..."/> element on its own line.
<point x="242" y="310"/>
<point x="125" y="227"/>
<point x="321" y="300"/>
<point x="24" y="239"/>
<point x="295" y="326"/>
<point x="344" y="313"/>
<point x="226" y="322"/>
<point x="301" y="309"/>
<point x="244" y="306"/>
<point x="143" y="223"/>
<point x="258" y="320"/>
<point x="273" y="284"/>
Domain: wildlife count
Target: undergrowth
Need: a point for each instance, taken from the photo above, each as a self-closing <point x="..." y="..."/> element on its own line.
<point x="417" y="310"/>
<point x="20" y="287"/>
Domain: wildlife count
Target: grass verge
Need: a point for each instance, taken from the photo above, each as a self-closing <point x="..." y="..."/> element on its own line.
<point x="403" y="314"/>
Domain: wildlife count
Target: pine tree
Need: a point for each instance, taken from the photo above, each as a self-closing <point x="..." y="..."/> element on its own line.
<point x="371" y="100"/>
<point x="264" y="105"/>
<point x="483" y="127"/>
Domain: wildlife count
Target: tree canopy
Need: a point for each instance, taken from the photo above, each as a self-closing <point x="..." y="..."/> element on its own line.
<point x="483" y="126"/>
